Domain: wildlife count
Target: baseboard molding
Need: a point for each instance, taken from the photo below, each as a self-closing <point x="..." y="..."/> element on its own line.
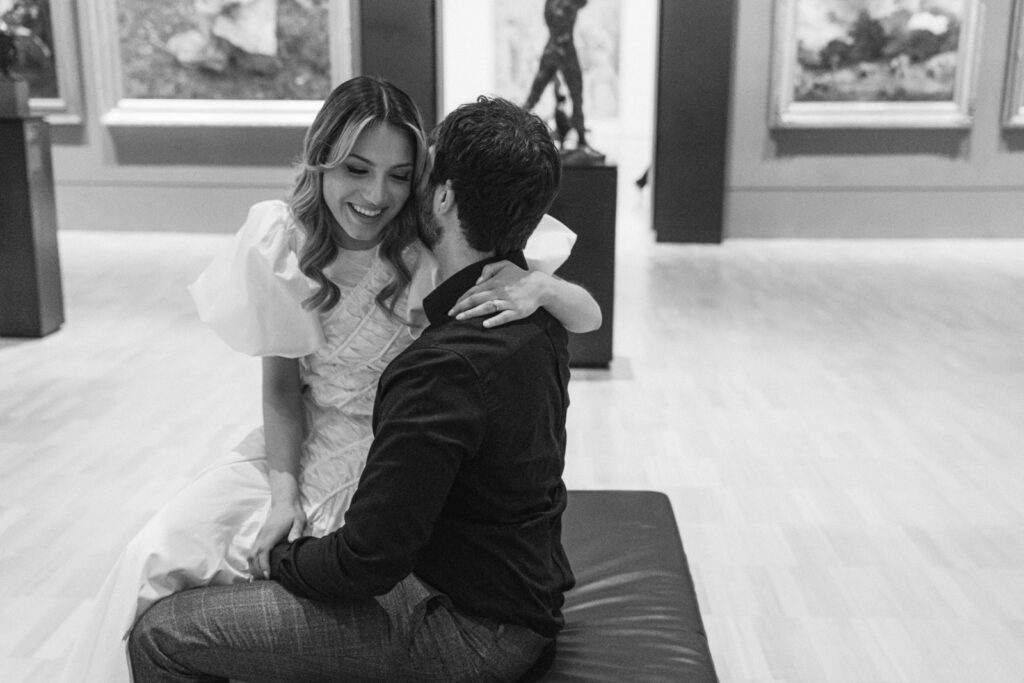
<point x="899" y="213"/>
<point x="155" y="208"/>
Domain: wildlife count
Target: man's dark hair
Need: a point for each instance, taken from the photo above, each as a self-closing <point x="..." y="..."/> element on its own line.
<point x="503" y="167"/>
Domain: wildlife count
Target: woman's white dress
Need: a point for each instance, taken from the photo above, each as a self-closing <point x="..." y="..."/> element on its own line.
<point x="251" y="297"/>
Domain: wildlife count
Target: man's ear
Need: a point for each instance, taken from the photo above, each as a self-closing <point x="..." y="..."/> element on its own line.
<point x="445" y="198"/>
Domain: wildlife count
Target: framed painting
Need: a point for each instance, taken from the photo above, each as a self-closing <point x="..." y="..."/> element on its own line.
<point x="1013" y="92"/>
<point x="874" y="63"/>
<point x="47" y="56"/>
<point x="221" y="62"/>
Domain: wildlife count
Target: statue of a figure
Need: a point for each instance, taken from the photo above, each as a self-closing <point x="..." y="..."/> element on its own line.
<point x="25" y="37"/>
<point x="8" y="52"/>
<point x="559" y="57"/>
<point x="13" y="88"/>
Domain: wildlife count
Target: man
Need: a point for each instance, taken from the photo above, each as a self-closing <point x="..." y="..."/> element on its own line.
<point x="450" y="565"/>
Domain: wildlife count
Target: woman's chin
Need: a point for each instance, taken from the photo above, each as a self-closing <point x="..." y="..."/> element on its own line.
<point x="360" y="239"/>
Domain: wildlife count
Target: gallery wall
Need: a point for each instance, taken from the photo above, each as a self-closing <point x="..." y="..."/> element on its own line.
<point x="203" y="178"/>
<point x="907" y="182"/>
<point x="779" y="183"/>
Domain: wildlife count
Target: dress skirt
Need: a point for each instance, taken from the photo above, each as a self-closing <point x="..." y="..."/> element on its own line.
<point x="201" y="537"/>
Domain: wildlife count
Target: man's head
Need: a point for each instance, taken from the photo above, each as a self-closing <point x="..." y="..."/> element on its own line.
<point x="501" y="165"/>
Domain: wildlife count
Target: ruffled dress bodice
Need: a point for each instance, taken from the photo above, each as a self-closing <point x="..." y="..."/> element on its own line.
<point x="359" y="338"/>
<point x="251" y="296"/>
<point x="340" y="382"/>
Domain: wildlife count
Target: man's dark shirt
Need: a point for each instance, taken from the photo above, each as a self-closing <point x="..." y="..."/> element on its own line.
<point x="463" y="483"/>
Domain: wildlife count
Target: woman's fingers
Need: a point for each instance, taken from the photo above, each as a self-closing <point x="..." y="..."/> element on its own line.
<point x="475" y="297"/>
<point x="259" y="564"/>
<point x="264" y="564"/>
<point x="475" y="309"/>
<point x="500" y="319"/>
<point x="298" y="526"/>
<point x="277" y="529"/>
<point x="254" y="566"/>
<point x="490" y="270"/>
<point x="501" y="310"/>
<point x="493" y="292"/>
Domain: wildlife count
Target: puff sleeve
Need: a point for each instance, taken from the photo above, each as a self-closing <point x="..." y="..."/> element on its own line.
<point x="251" y="294"/>
<point x="549" y="246"/>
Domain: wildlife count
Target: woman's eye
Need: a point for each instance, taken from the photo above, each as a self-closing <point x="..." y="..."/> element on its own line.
<point x="402" y="177"/>
<point x="356" y="170"/>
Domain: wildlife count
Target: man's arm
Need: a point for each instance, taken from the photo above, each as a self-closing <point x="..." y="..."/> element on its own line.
<point x="429" y="417"/>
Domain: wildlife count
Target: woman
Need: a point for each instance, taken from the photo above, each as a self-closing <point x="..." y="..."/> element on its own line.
<point x="327" y="289"/>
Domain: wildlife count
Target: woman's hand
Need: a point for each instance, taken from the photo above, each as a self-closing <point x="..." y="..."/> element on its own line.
<point x="284" y="520"/>
<point x="504" y="291"/>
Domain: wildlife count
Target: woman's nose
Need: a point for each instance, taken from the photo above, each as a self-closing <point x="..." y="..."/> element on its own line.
<point x="376" y="191"/>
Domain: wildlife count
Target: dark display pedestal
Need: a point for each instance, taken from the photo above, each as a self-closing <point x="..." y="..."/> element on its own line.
<point x="586" y="203"/>
<point x="31" y="299"/>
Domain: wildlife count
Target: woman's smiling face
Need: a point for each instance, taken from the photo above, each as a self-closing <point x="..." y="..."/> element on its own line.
<point x="371" y="186"/>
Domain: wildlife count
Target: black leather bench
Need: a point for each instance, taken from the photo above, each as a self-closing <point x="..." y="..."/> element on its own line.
<point x="633" y="615"/>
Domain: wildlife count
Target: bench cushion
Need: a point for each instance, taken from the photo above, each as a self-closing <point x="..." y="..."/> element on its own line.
<point x="633" y="614"/>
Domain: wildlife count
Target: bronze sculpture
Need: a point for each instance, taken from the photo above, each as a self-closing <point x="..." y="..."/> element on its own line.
<point x="8" y="52"/>
<point x="559" y="58"/>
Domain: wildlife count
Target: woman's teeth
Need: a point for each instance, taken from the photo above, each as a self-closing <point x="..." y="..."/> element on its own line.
<point x="369" y="213"/>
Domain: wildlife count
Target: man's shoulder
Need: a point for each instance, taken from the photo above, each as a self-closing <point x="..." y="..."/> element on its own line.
<point x="482" y="348"/>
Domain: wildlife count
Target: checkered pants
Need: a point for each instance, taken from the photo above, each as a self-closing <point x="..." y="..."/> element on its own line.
<point x="260" y="632"/>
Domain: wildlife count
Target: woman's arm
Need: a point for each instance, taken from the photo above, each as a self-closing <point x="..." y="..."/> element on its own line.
<point x="512" y="293"/>
<point x="283" y="433"/>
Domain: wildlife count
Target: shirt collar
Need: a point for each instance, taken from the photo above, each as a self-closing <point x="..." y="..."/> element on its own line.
<point x="440" y="301"/>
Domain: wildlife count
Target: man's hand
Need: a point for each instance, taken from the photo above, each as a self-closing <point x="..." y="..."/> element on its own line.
<point x="285" y="520"/>
<point x="504" y="291"/>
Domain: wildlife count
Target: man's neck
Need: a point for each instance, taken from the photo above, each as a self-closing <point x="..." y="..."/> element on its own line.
<point x="454" y="254"/>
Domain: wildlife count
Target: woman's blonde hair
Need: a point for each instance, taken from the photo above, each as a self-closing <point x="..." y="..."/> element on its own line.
<point x="354" y="106"/>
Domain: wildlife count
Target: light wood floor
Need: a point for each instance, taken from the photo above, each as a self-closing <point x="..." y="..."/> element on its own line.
<point x="840" y="427"/>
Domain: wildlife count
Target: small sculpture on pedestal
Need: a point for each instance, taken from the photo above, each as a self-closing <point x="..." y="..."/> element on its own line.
<point x="31" y="298"/>
<point x="8" y="51"/>
<point x="559" y="58"/>
<point x="13" y="89"/>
